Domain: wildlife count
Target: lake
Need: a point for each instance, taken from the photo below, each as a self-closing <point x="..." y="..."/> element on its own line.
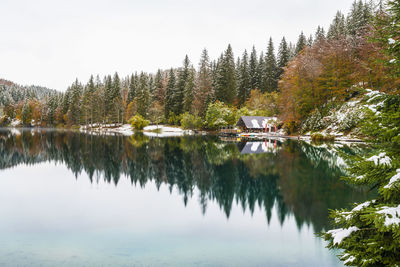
<point x="71" y="199"/>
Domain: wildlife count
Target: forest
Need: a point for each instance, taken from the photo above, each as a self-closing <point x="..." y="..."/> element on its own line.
<point x="359" y="50"/>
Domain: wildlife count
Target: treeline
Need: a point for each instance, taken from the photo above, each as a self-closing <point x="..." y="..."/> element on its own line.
<point x="327" y="67"/>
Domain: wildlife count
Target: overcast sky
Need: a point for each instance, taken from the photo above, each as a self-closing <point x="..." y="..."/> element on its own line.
<point x="50" y="42"/>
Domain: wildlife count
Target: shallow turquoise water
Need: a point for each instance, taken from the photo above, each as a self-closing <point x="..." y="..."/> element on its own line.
<point x="78" y="200"/>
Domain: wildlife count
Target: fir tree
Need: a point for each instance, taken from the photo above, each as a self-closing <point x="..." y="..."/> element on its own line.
<point x="244" y="80"/>
<point x="319" y="34"/>
<point x="253" y="70"/>
<point x="337" y="29"/>
<point x="271" y="71"/>
<point x="178" y="95"/>
<point x="169" y="94"/>
<point x="301" y="43"/>
<point x="204" y="85"/>
<point x="283" y="56"/>
<point x="189" y="91"/>
<point x="226" y="81"/>
<point x="143" y="95"/>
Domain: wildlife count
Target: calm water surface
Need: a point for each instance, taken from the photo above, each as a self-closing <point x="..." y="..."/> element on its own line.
<point x="69" y="199"/>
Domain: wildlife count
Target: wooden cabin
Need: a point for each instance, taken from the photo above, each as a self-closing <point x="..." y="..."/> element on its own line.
<point x="257" y="124"/>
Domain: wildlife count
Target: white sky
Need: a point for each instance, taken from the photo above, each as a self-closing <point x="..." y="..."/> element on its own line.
<point x="50" y="42"/>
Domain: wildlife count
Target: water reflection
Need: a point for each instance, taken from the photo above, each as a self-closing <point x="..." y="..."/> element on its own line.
<point x="299" y="179"/>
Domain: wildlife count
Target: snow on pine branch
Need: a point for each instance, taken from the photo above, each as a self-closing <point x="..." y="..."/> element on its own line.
<point x="341" y="233"/>
<point x="381" y="159"/>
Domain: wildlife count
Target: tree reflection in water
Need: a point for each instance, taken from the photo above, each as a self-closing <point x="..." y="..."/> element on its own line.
<point x="300" y="179"/>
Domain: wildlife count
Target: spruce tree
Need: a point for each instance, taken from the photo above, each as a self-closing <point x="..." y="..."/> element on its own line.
<point x="189" y="91"/>
<point x="337" y="29"/>
<point x="244" y="80"/>
<point x="179" y="92"/>
<point x="226" y="79"/>
<point x="319" y="34"/>
<point x="143" y="95"/>
<point x="204" y="85"/>
<point x="283" y="57"/>
<point x="271" y="71"/>
<point x="301" y="43"/>
<point x="368" y="234"/>
<point x="253" y="70"/>
<point x="133" y="85"/>
<point x="169" y="92"/>
<point x="260" y="73"/>
<point x="159" y="90"/>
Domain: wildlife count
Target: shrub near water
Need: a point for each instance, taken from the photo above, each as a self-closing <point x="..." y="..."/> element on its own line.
<point x="317" y="137"/>
<point x="138" y="122"/>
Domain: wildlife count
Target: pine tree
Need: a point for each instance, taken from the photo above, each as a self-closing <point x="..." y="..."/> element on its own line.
<point x="204" y="85"/>
<point x="74" y="110"/>
<point x="337" y="29"/>
<point x="369" y="233"/>
<point x="301" y="43"/>
<point x="358" y="18"/>
<point x="319" y="34"/>
<point x="159" y="88"/>
<point x="143" y="95"/>
<point x="116" y="100"/>
<point x="283" y="57"/>
<point x="260" y="72"/>
<point x="169" y="94"/>
<point x="133" y="85"/>
<point x="244" y="80"/>
<point x="179" y="92"/>
<point x="189" y="91"/>
<point x="226" y="80"/>
<point x="253" y="70"/>
<point x="271" y="71"/>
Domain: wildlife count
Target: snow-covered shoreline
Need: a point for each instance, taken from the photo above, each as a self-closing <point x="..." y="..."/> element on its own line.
<point x="128" y="130"/>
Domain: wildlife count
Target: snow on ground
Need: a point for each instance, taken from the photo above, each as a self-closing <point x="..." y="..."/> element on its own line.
<point x="127" y="130"/>
<point x="391" y="215"/>
<point x="164" y="131"/>
<point x="15" y="122"/>
<point x="108" y="129"/>
<point x="341" y="233"/>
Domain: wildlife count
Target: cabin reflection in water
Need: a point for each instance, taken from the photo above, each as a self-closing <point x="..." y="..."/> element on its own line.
<point x="259" y="147"/>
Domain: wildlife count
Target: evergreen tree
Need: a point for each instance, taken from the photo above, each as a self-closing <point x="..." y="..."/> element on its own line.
<point x="143" y="95"/>
<point x="283" y="56"/>
<point x="159" y="90"/>
<point x="271" y="71"/>
<point x="226" y="80"/>
<point x="369" y="233"/>
<point x="337" y="29"/>
<point x="253" y="70"/>
<point x="358" y="18"/>
<point x="260" y="72"/>
<point x="301" y="43"/>
<point x="74" y="110"/>
<point x="319" y="34"/>
<point x="189" y="91"/>
<point x="169" y="92"/>
<point x="204" y="85"/>
<point x="133" y="85"/>
<point x="244" y="80"/>
<point x="179" y="92"/>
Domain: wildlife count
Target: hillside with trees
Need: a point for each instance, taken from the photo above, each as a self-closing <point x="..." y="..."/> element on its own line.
<point x="312" y="76"/>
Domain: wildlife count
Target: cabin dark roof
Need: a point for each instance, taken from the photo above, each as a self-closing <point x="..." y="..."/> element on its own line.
<point x="254" y="122"/>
